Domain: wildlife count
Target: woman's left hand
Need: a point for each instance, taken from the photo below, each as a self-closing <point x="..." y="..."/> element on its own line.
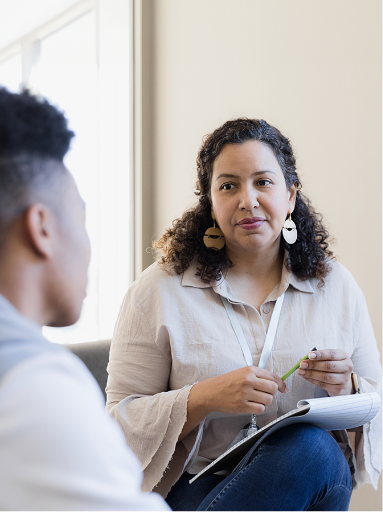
<point x="329" y="369"/>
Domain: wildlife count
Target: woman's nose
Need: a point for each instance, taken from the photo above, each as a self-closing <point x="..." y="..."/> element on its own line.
<point x="249" y="199"/>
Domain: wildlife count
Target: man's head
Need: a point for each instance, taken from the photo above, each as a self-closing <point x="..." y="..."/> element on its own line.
<point x="43" y="242"/>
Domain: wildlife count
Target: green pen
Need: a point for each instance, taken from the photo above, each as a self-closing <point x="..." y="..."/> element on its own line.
<point x="293" y="369"/>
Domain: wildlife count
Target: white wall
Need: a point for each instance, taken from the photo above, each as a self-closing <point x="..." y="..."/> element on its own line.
<point x="310" y="67"/>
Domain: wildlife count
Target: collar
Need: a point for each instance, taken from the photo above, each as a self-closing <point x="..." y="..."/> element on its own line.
<point x="288" y="279"/>
<point x="14" y="325"/>
<point x="189" y="278"/>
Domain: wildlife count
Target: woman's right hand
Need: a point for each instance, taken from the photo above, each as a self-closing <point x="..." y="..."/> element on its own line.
<point x="245" y="390"/>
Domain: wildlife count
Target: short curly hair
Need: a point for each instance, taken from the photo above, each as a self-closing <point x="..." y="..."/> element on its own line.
<point x="34" y="138"/>
<point x="310" y="255"/>
<point x="29" y="124"/>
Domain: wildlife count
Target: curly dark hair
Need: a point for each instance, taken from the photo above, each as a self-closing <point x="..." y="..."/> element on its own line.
<point x="34" y="138"/>
<point x="310" y="255"/>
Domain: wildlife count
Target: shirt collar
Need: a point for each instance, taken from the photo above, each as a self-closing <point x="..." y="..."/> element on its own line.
<point x="289" y="279"/>
<point x="189" y="279"/>
<point x="15" y="325"/>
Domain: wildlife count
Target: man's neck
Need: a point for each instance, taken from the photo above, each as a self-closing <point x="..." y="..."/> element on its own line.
<point x="16" y="285"/>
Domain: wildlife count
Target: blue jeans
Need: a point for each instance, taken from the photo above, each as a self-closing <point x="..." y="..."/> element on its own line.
<point x="299" y="468"/>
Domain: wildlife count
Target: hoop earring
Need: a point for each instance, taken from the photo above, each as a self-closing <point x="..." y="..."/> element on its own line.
<point x="214" y="238"/>
<point x="289" y="231"/>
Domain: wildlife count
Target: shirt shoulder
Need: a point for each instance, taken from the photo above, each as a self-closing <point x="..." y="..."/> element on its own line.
<point x="50" y="377"/>
<point x="14" y="352"/>
<point x="156" y="288"/>
<point x="341" y="278"/>
<point x="60" y="445"/>
<point x="340" y="293"/>
<point x="155" y="277"/>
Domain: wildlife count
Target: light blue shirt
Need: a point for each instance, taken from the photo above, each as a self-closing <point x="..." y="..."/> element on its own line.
<point x="58" y="448"/>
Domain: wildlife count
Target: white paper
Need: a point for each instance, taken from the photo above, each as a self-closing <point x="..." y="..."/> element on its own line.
<point x="328" y="413"/>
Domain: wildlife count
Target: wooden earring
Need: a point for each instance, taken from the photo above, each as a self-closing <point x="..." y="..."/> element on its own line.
<point x="214" y="238"/>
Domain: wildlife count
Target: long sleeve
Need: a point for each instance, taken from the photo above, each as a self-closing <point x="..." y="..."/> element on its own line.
<point x="151" y="415"/>
<point x="368" y="445"/>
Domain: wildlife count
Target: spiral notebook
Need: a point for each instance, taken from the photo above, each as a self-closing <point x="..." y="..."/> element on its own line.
<point x="328" y="413"/>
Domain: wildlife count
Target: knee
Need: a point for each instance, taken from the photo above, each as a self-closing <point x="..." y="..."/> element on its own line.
<point x="307" y="436"/>
<point x="316" y="445"/>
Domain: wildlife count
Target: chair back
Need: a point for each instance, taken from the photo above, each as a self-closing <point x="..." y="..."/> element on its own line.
<point x="95" y="355"/>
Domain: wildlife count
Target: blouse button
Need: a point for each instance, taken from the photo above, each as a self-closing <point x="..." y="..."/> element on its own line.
<point x="266" y="310"/>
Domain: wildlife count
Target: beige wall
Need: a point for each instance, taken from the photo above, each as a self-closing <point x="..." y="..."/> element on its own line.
<point x="310" y="67"/>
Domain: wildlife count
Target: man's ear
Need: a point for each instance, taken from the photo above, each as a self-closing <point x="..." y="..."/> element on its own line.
<point x="40" y="227"/>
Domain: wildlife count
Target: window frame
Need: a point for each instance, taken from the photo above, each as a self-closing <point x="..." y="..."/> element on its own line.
<point x="114" y="51"/>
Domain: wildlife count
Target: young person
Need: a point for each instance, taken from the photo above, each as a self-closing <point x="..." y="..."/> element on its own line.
<point x="58" y="448"/>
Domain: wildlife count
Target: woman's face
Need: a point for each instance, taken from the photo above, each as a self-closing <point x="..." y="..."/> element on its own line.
<point x="249" y="197"/>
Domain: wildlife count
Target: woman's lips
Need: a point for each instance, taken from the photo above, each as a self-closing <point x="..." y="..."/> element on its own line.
<point x="251" y="223"/>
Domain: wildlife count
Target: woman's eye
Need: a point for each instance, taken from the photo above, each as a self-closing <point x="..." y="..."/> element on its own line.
<point x="227" y="186"/>
<point x="264" y="182"/>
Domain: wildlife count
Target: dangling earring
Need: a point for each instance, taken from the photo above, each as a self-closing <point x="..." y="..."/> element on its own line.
<point x="214" y="238"/>
<point x="289" y="231"/>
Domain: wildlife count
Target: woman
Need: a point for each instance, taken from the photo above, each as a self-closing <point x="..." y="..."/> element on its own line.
<point x="179" y="384"/>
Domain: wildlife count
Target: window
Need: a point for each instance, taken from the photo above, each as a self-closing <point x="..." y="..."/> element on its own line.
<point x="82" y="67"/>
<point x="10" y="72"/>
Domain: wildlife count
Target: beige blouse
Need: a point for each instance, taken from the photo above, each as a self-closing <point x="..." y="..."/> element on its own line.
<point x="173" y="331"/>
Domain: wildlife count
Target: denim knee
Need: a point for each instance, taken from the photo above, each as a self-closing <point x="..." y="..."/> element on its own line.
<point x="311" y="444"/>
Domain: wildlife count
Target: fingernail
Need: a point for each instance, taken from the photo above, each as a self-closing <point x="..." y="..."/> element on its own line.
<point x="304" y="365"/>
<point x="312" y="356"/>
<point x="301" y="372"/>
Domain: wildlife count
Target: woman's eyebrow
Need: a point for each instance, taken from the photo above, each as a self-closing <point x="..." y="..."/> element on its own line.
<point x="256" y="173"/>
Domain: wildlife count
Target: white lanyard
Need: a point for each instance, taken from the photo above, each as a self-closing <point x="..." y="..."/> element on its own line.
<point x="270" y="336"/>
